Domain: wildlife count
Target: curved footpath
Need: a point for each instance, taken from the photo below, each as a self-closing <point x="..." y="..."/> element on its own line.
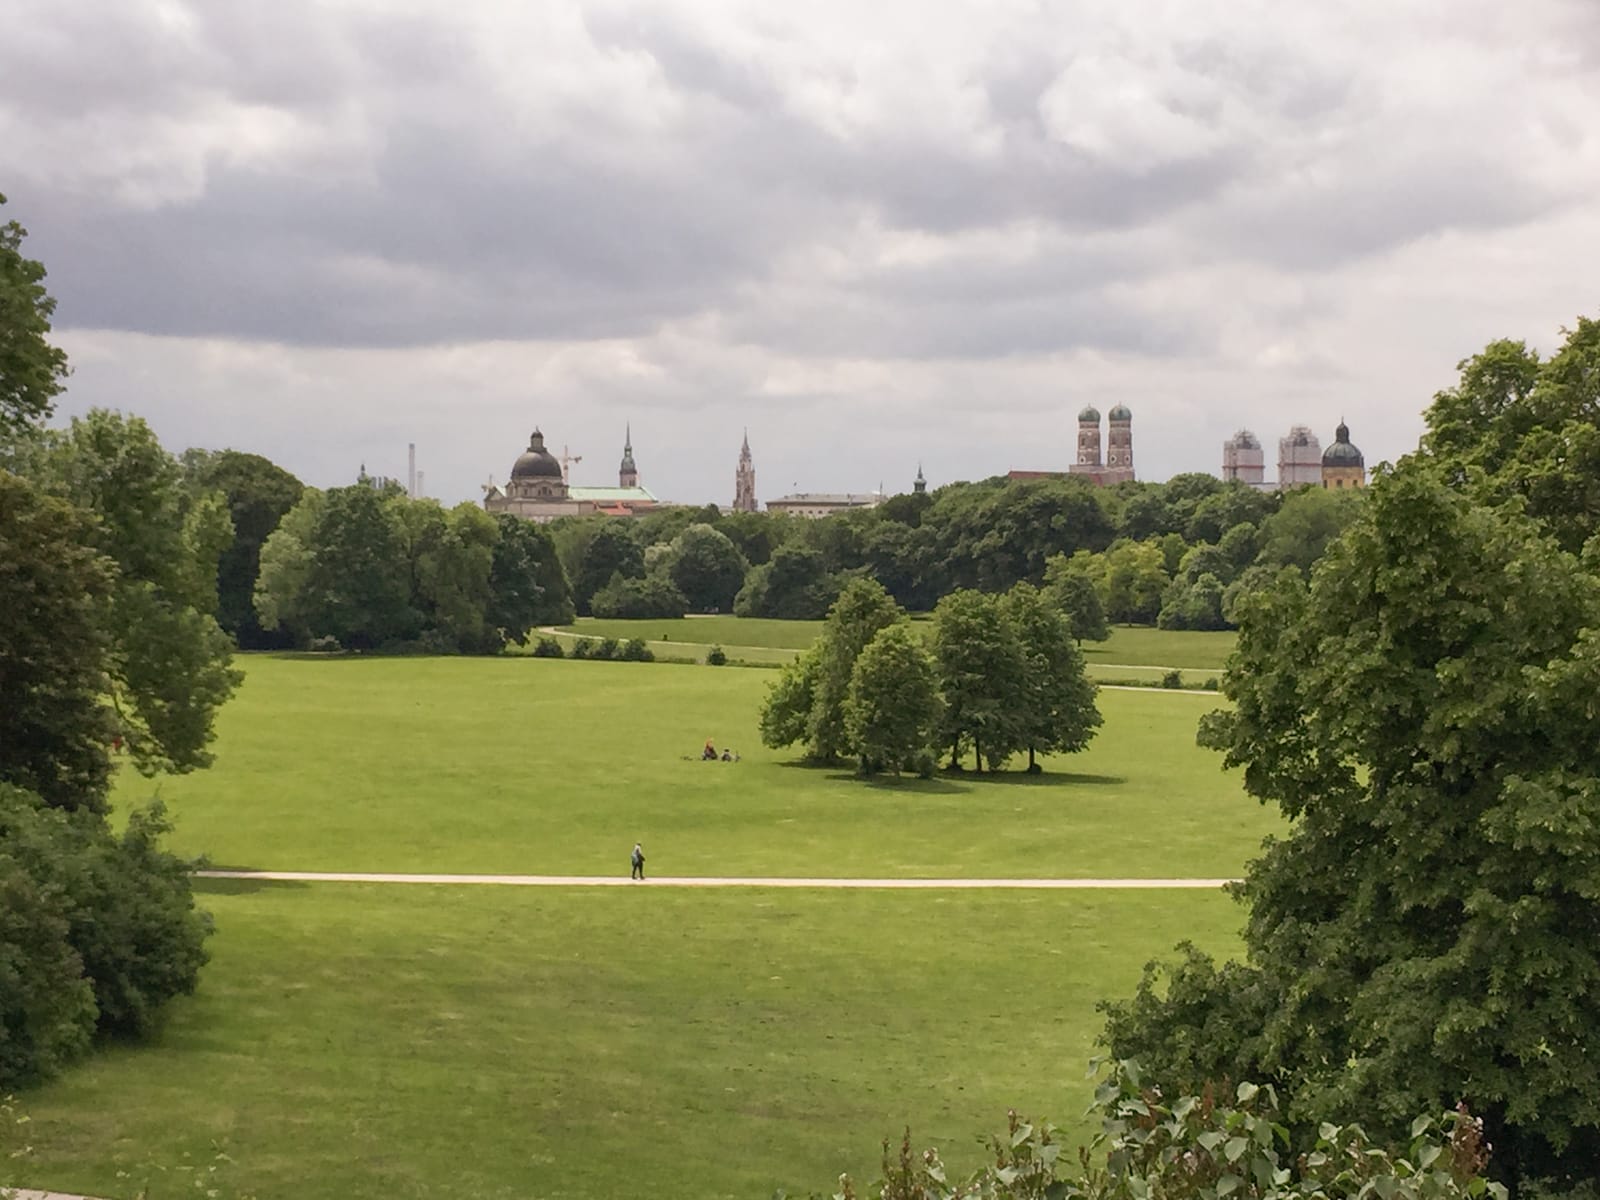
<point x="701" y="881"/>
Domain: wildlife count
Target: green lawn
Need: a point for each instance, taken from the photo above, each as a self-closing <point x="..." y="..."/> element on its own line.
<point x="755" y="639"/>
<point x="1140" y="645"/>
<point x="552" y="766"/>
<point x="707" y="631"/>
<point x="409" y="1041"/>
<point x="352" y="1042"/>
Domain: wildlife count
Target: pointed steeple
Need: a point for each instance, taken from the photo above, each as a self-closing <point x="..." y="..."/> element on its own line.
<point x="628" y="474"/>
<point x="744" y="479"/>
<point x="919" y="485"/>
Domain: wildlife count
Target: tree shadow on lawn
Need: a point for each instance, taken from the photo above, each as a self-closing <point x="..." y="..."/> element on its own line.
<point x="204" y="885"/>
<point x="948" y="782"/>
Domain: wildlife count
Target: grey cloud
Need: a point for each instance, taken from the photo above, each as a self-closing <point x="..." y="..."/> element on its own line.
<point x="441" y="218"/>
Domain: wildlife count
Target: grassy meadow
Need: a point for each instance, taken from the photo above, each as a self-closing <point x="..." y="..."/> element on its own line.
<point x="549" y="766"/>
<point x="358" y="1041"/>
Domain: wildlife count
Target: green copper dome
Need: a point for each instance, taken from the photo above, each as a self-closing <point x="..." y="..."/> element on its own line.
<point x="1089" y="416"/>
<point x="1121" y="413"/>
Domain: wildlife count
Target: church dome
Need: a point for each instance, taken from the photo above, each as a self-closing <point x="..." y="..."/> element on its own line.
<point x="1121" y="413"/>
<point x="536" y="462"/>
<point x="1342" y="453"/>
<point x="1089" y="416"/>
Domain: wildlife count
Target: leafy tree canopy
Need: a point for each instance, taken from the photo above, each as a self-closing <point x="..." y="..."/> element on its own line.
<point x="1425" y="710"/>
<point x="31" y="369"/>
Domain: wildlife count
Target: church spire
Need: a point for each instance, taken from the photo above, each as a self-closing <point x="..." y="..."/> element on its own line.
<point x="628" y="473"/>
<point x="744" y="479"/>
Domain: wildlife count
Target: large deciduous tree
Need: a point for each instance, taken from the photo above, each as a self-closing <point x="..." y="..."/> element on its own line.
<point x="169" y="664"/>
<point x="1516" y="427"/>
<point x="891" y="713"/>
<point x="358" y="587"/>
<point x="1074" y="591"/>
<point x="862" y="609"/>
<point x="1428" y="929"/>
<point x="56" y="725"/>
<point x="610" y="549"/>
<point x="707" y="568"/>
<point x="808" y="701"/>
<point x="258" y="493"/>
<point x="981" y="673"/>
<point x="31" y="369"/>
<point x="794" y="585"/>
<point x="1055" y="706"/>
<point x="527" y="585"/>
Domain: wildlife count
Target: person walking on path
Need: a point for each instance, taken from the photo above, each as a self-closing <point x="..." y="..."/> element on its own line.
<point x="638" y="861"/>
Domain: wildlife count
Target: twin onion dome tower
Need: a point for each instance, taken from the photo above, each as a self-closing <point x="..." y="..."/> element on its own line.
<point x="1118" y="464"/>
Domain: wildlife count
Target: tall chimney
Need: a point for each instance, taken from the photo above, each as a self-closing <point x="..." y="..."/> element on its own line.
<point x="419" y="485"/>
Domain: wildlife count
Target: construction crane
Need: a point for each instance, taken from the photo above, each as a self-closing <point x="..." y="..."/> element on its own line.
<point x="567" y="459"/>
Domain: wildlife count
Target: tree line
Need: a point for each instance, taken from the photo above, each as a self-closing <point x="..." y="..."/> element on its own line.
<point x="1178" y="554"/>
<point x="366" y="567"/>
<point x="993" y="676"/>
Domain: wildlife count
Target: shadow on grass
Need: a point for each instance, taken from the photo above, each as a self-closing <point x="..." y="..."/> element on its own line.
<point x="909" y="784"/>
<point x="948" y="782"/>
<point x="1042" y="779"/>
<point x="206" y="886"/>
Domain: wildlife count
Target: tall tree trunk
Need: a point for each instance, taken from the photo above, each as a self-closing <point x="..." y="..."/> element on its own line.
<point x="1030" y="759"/>
<point x="977" y="753"/>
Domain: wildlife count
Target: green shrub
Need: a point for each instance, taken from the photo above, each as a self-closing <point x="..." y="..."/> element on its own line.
<point x="1210" y="684"/>
<point x="606" y="650"/>
<point x="96" y="931"/>
<point x="583" y="648"/>
<point x="325" y="645"/>
<point x="548" y="647"/>
<point x="635" y="650"/>
<point x="135" y="924"/>
<point x="47" y="1010"/>
<point x="1199" y="1147"/>
<point x="716" y="658"/>
<point x="1172" y="679"/>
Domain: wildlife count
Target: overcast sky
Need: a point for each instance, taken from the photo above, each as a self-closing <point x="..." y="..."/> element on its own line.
<point x="875" y="234"/>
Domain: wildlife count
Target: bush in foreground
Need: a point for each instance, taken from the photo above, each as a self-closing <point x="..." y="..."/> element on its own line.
<point x="97" y="932"/>
<point x="1199" y="1147"/>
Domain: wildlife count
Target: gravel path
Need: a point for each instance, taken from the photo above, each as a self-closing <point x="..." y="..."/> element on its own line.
<point x="706" y="881"/>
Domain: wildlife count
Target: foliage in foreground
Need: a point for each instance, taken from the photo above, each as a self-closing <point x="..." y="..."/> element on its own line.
<point x="109" y="641"/>
<point x="97" y="932"/>
<point x="1202" y="1148"/>
<point x="1424" y="710"/>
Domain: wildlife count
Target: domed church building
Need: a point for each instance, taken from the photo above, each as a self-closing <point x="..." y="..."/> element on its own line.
<point x="1342" y="464"/>
<point x="538" y="489"/>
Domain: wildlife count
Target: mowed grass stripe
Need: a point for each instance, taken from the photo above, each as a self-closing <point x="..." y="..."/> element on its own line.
<point x="551" y="767"/>
<point x="373" y="1042"/>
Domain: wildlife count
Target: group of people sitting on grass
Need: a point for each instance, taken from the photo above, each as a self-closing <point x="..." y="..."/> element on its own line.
<point x="709" y="754"/>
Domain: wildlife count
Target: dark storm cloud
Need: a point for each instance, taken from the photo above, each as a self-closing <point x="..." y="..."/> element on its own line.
<point x="409" y="188"/>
